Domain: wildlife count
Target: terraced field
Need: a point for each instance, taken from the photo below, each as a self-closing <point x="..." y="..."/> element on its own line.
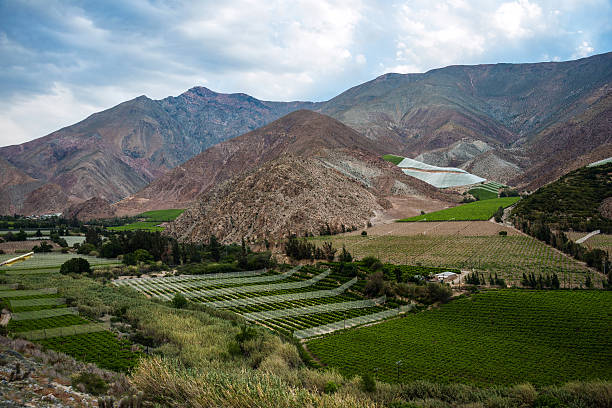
<point x="289" y="302"/>
<point x="493" y="338"/>
<point x="486" y="191"/>
<point x="42" y="316"/>
<point x="476" y="211"/>
<point x="508" y="256"/>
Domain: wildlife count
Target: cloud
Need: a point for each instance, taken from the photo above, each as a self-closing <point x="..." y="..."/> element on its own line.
<point x="60" y="61"/>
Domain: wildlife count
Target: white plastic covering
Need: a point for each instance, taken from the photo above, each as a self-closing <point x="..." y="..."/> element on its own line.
<point x="440" y="177"/>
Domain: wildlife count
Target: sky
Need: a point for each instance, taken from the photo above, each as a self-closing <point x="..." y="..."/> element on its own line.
<point x="61" y="61"/>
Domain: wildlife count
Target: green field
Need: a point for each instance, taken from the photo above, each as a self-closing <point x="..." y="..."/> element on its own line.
<point x="49" y="262"/>
<point x="496" y="337"/>
<point x="476" y="211"/>
<point x="393" y="158"/>
<point x="151" y="220"/>
<point x="162" y="215"/>
<point x="486" y="191"/>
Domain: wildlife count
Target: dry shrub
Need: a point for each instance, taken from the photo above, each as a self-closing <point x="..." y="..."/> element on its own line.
<point x="525" y="393"/>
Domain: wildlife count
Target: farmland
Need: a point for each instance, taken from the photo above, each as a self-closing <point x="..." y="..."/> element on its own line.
<point x="48" y="262"/>
<point x="42" y="316"/>
<point x="150" y="220"/>
<point x="393" y="158"/>
<point x="496" y="337"/>
<point x="479" y="210"/>
<point x="599" y="241"/>
<point x="508" y="256"/>
<point x="288" y="303"/>
<point x="486" y="191"/>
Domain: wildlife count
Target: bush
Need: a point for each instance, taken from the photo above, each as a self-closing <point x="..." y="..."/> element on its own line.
<point x="85" y="248"/>
<point x="330" y="388"/>
<point x="364" y="233"/>
<point x="179" y="301"/>
<point x="75" y="265"/>
<point x="43" y="247"/>
<point x="503" y="233"/>
<point x="367" y="383"/>
<point x="90" y="383"/>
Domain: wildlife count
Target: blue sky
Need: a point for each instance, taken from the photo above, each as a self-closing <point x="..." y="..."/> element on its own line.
<point x="60" y="61"/>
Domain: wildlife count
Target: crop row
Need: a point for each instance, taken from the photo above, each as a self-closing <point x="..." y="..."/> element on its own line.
<point x="17" y="326"/>
<point x="101" y="348"/>
<point x="497" y="337"/>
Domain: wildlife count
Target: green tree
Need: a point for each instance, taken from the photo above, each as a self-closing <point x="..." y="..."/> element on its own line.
<point x="75" y="265"/>
<point x="345" y="256"/>
<point x="179" y="301"/>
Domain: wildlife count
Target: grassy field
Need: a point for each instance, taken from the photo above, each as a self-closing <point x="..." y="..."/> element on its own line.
<point x="484" y="192"/>
<point x="151" y="221"/>
<point x="479" y="210"/>
<point x="497" y="337"/>
<point x="508" y="256"/>
<point x="393" y="158"/>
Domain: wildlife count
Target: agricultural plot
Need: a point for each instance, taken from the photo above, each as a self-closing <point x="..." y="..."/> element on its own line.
<point x="600" y="241"/>
<point x="508" y="256"/>
<point x="476" y="211"/>
<point x="297" y="300"/>
<point x="486" y="191"/>
<point x="42" y="316"/>
<point x="151" y="221"/>
<point x="101" y="348"/>
<point x="493" y="338"/>
<point x="49" y="262"/>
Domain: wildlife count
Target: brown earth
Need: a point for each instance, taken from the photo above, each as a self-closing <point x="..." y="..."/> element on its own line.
<point x="94" y="208"/>
<point x="294" y="176"/>
<point x="462" y="228"/>
<point x="20" y="246"/>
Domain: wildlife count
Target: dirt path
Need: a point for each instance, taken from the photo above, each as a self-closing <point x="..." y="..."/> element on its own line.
<point x="315" y="358"/>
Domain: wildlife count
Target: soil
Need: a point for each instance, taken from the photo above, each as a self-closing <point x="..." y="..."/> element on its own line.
<point x="404" y="207"/>
<point x="463" y="228"/>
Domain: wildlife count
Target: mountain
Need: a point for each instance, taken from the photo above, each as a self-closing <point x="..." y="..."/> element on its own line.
<point x="115" y="153"/>
<point x="297" y="175"/>
<point x="522" y="124"/>
<point x="300" y="133"/>
<point x="494" y="120"/>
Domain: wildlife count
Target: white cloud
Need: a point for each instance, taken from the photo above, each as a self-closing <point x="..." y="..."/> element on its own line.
<point x="517" y="19"/>
<point x="583" y="50"/>
<point x="40" y="114"/>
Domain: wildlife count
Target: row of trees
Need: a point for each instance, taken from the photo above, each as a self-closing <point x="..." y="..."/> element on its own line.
<point x="541" y="282"/>
<point x="475" y="278"/>
<point x="299" y="249"/>
<point x="595" y="258"/>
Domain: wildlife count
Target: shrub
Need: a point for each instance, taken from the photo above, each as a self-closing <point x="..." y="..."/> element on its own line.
<point x="43" y="247"/>
<point x="503" y="233"/>
<point x="75" y="265"/>
<point x="85" y="248"/>
<point x="90" y="383"/>
<point x="330" y="388"/>
<point x="364" y="233"/>
<point x="179" y="301"/>
<point x="367" y="383"/>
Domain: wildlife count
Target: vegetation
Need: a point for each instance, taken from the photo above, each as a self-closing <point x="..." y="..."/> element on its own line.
<point x="148" y="221"/>
<point x="75" y="265"/>
<point x="496" y="337"/>
<point x="479" y="210"/>
<point x="393" y="158"/>
<point x="572" y="202"/>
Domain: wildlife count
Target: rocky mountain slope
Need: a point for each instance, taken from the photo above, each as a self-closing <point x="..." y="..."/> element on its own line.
<point x="489" y="119"/>
<point x="295" y="175"/>
<point x="497" y="121"/>
<point x="115" y="153"/>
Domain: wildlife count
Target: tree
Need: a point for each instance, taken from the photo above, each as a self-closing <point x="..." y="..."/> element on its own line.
<point x="92" y="237"/>
<point x="329" y="252"/>
<point x="375" y="286"/>
<point x="138" y="256"/>
<point x="215" y="248"/>
<point x="43" y="247"/>
<point x="85" y="248"/>
<point x="367" y="383"/>
<point x="75" y="265"/>
<point x="345" y="256"/>
<point x="588" y="281"/>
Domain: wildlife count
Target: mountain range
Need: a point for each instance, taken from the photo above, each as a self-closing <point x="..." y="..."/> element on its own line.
<point x="521" y="124"/>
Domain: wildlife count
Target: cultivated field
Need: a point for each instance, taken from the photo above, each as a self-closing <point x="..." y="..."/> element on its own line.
<point x="48" y="262"/>
<point x="42" y="316"/>
<point x="463" y="228"/>
<point x="151" y="221"/>
<point x="300" y="302"/>
<point x="508" y="256"/>
<point x="476" y="211"/>
<point x="601" y="241"/>
<point x="496" y="337"/>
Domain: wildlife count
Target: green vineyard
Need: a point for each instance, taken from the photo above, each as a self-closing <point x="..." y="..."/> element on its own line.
<point x="289" y="302"/>
<point x="43" y="316"/>
<point x="493" y="338"/>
